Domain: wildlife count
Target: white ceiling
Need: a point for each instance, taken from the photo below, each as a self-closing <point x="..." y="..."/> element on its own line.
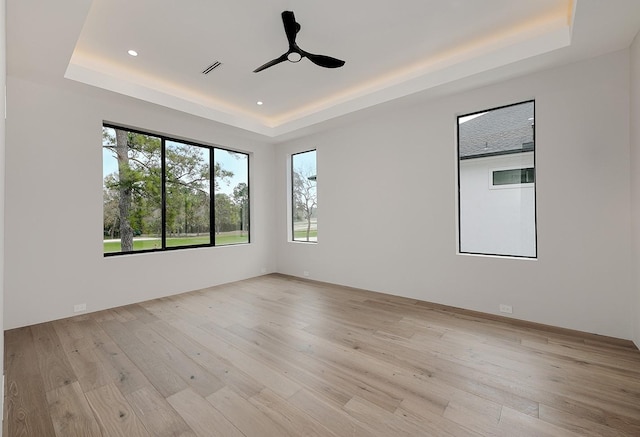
<point x="391" y="49"/>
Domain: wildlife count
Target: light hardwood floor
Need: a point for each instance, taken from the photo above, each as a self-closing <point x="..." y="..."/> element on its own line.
<point x="278" y="356"/>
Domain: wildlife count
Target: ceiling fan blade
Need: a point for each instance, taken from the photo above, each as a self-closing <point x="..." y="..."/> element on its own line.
<point x="324" y="61"/>
<point x="271" y="63"/>
<point x="291" y="27"/>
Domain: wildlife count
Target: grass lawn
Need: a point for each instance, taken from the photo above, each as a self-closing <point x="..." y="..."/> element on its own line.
<point x="303" y="234"/>
<point x="150" y="244"/>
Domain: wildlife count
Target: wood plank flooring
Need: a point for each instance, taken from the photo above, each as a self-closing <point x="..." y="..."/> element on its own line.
<point x="279" y="356"/>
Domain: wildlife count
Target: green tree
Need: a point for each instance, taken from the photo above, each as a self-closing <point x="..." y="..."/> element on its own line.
<point x="110" y="210"/>
<point x="135" y="186"/>
<point x="221" y="175"/>
<point x="225" y="213"/>
<point x="224" y="209"/>
<point x="188" y="185"/>
<point x="133" y="193"/>
<point x="241" y="199"/>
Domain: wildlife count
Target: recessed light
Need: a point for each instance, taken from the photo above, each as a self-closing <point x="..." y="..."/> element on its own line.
<point x="259" y="103"/>
<point x="133" y="53"/>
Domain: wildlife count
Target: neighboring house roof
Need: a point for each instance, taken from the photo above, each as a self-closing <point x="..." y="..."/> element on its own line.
<point x="498" y="132"/>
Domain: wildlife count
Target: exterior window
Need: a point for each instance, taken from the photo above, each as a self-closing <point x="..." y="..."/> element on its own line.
<point x="496" y="181"/>
<point x="304" y="197"/>
<point x="157" y="193"/>
<point x="514" y="176"/>
<point x="231" y="202"/>
<point x="187" y="188"/>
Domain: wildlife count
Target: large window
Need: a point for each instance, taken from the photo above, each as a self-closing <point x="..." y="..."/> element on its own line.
<point x="496" y="181"/>
<point x="304" y="196"/>
<point x="161" y="193"/>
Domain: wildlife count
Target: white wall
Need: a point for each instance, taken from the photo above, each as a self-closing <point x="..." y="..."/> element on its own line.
<point x="54" y="206"/>
<point x="387" y="203"/>
<point x="387" y="213"/>
<point x="635" y="178"/>
<point x="3" y="81"/>
<point x="496" y="219"/>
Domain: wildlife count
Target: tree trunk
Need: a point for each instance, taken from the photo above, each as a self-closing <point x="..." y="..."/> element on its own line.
<point x="243" y="224"/>
<point x="308" y="225"/>
<point x="124" y="202"/>
<point x="186" y="219"/>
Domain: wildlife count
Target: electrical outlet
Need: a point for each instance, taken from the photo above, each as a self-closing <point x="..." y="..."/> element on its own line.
<point x="306" y="273"/>
<point x="506" y="309"/>
<point x="79" y="307"/>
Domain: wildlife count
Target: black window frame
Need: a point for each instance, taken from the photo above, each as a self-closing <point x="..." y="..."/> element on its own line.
<point x="527" y="147"/>
<point x="164" y="139"/>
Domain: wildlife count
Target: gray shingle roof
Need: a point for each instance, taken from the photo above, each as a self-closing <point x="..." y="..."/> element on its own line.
<point x="497" y="132"/>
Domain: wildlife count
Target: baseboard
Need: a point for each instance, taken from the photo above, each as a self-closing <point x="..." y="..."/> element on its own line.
<point x="526" y="324"/>
<point x="587" y="336"/>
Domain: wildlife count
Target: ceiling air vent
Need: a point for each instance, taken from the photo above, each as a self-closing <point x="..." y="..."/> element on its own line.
<point x="211" y="67"/>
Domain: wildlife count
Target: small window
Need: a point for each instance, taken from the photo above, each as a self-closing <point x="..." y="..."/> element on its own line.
<point x="514" y="176"/>
<point x="496" y="181"/>
<point x="304" y="197"/>
<point x="160" y="193"/>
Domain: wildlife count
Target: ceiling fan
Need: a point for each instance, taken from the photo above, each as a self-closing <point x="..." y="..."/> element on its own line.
<point x="295" y="53"/>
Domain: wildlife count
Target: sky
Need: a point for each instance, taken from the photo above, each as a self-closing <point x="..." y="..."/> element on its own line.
<point x="235" y="163"/>
<point x="469" y="117"/>
<point x="306" y="162"/>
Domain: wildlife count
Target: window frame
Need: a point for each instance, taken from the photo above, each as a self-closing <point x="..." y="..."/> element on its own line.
<point x="493" y="186"/>
<point x="499" y="187"/>
<point x="292" y="196"/>
<point x="163" y="209"/>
